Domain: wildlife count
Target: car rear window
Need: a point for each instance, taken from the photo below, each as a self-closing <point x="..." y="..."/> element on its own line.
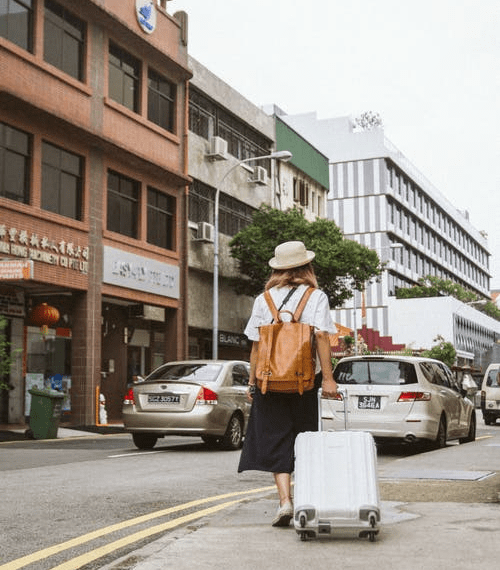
<point x="386" y="372"/>
<point x="186" y="372"/>
<point x="493" y="378"/>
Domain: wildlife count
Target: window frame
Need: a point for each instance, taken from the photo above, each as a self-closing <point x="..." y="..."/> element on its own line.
<point x="28" y="42"/>
<point x="65" y="22"/>
<point x="6" y="149"/>
<point x="122" y="199"/>
<point x="167" y="219"/>
<point x="60" y="187"/>
<point x="133" y="74"/>
<point x="155" y="94"/>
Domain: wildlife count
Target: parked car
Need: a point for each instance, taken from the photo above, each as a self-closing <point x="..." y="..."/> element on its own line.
<point x="205" y="398"/>
<point x="407" y="399"/>
<point x="490" y="394"/>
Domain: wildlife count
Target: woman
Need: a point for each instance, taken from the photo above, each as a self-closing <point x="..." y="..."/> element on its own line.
<point x="277" y="418"/>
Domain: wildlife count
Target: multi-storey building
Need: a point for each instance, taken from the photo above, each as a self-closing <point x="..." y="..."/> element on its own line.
<point x="93" y="195"/>
<point x="378" y="198"/>
<point x="225" y="129"/>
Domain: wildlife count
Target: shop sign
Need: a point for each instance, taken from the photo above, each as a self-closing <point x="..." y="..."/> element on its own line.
<point x="12" y="304"/>
<point x="18" y="242"/>
<point x="145" y="11"/>
<point x="233" y="339"/>
<point x="129" y="270"/>
<point x="13" y="270"/>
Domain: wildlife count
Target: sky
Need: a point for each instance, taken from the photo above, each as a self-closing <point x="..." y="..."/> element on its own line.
<point x="430" y="69"/>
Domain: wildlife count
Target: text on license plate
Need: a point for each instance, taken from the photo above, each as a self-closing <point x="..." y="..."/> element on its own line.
<point x="369" y="402"/>
<point x="164" y="398"/>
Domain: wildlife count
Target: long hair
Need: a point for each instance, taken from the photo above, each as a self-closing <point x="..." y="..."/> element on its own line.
<point x="303" y="275"/>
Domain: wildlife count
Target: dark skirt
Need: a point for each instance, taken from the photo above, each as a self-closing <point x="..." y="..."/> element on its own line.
<point x="274" y="423"/>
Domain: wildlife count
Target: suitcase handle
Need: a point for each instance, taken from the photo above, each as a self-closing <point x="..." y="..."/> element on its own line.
<point x="343" y="393"/>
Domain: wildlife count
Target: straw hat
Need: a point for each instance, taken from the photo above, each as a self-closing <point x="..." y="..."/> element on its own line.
<point x="291" y="254"/>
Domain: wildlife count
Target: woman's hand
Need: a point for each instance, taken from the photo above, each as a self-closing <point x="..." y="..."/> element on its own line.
<point x="329" y="388"/>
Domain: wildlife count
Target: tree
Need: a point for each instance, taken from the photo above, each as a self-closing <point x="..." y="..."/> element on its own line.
<point x="443" y="351"/>
<point x="341" y="265"/>
<point x="432" y="286"/>
<point x="368" y="121"/>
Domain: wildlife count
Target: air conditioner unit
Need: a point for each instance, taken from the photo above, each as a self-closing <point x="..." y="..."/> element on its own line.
<point x="259" y="175"/>
<point x="205" y="232"/>
<point x="217" y="148"/>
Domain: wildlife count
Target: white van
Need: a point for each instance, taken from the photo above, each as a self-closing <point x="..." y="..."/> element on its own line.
<point x="490" y="394"/>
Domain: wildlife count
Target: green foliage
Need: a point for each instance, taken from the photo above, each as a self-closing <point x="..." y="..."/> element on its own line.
<point x="443" y="351"/>
<point x="5" y="356"/>
<point x="432" y="286"/>
<point x="336" y="258"/>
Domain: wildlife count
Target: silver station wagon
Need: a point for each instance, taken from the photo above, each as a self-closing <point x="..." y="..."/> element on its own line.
<point x="407" y="399"/>
<point x="205" y="398"/>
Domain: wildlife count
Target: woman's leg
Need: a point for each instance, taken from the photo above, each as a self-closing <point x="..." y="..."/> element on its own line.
<point x="282" y="481"/>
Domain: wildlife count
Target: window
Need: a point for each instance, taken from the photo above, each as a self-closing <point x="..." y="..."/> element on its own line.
<point x="161" y="101"/>
<point x="61" y="181"/>
<point x="234" y="215"/>
<point x="16" y="22"/>
<point x="63" y="40"/>
<point x="123" y="202"/>
<point x="161" y="215"/>
<point x="208" y="119"/>
<point x="124" y="72"/>
<point x="15" y="158"/>
<point x="383" y="372"/>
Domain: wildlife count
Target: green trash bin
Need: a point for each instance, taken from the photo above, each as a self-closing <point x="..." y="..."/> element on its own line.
<point x="45" y="413"/>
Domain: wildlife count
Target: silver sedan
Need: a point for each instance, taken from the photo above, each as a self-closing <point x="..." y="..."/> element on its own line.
<point x="205" y="398"/>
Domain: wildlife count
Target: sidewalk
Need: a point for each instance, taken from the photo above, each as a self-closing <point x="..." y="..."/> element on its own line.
<point x="11" y="432"/>
<point x="444" y="516"/>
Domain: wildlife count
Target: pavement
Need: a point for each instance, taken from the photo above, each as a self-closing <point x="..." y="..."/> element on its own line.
<point x="440" y="510"/>
<point x="10" y="432"/>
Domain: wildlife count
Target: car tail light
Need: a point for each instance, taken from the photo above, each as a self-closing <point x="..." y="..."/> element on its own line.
<point x="414" y="397"/>
<point x="129" y="397"/>
<point x="206" y="396"/>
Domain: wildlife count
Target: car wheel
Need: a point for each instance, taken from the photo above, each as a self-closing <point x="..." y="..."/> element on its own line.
<point x="233" y="438"/>
<point x="144" y="440"/>
<point x="489" y="421"/>
<point x="441" y="437"/>
<point x="471" y="436"/>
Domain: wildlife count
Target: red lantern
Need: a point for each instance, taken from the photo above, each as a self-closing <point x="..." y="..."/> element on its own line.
<point x="44" y="315"/>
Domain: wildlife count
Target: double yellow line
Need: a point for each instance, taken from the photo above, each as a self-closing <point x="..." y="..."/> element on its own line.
<point x="80" y="561"/>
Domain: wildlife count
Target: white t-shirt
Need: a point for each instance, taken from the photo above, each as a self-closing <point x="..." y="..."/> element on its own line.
<point x="315" y="313"/>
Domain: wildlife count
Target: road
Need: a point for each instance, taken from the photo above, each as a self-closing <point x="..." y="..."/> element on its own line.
<point x="56" y="491"/>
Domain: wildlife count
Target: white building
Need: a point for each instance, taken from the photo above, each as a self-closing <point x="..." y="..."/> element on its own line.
<point x="379" y="199"/>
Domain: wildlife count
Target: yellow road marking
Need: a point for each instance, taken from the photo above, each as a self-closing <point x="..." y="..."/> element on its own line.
<point x="80" y="561"/>
<point x="57" y="548"/>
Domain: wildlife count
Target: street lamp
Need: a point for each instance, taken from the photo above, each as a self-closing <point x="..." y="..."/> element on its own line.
<point x="283" y="155"/>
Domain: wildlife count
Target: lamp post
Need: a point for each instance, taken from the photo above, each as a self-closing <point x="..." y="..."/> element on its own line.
<point x="283" y="155"/>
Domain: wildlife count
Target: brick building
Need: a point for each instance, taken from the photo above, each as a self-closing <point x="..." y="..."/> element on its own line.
<point x="93" y="196"/>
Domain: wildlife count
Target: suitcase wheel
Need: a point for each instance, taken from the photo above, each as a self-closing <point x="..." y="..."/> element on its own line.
<point x="373" y="524"/>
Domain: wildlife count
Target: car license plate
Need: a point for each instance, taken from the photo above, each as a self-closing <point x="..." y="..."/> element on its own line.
<point x="164" y="398"/>
<point x="369" y="402"/>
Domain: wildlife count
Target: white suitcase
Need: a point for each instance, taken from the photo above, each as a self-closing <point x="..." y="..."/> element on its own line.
<point x="336" y="486"/>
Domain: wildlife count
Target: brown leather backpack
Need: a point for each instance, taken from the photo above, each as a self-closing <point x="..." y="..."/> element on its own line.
<point x="286" y="351"/>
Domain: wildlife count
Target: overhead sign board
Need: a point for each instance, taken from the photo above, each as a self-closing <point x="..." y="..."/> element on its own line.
<point x="140" y="273"/>
<point x="16" y="270"/>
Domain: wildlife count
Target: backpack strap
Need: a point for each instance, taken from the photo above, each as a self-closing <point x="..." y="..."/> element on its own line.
<point x="300" y="307"/>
